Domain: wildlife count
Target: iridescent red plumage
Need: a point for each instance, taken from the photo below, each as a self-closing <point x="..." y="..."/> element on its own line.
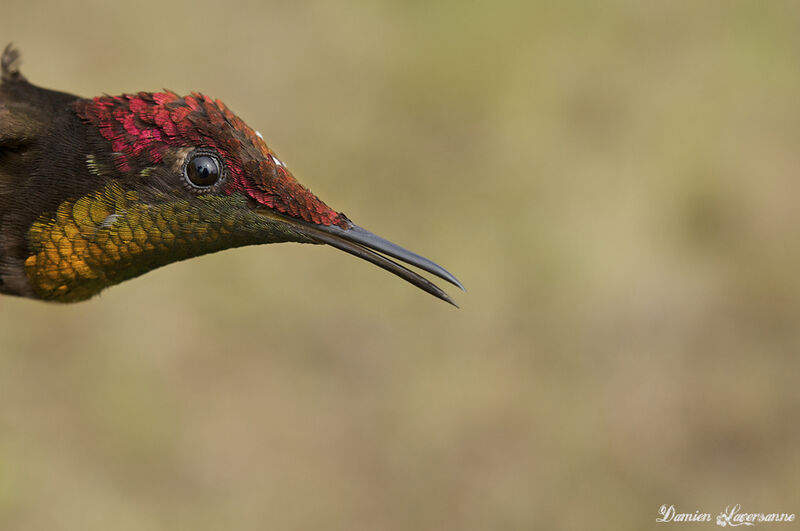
<point x="144" y="126"/>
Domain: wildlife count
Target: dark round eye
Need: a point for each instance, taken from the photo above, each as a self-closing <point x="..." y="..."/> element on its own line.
<point x="203" y="170"/>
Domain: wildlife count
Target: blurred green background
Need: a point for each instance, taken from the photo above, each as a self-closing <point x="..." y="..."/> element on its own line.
<point x="615" y="183"/>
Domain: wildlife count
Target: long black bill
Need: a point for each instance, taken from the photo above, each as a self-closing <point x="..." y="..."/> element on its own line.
<point x="364" y="244"/>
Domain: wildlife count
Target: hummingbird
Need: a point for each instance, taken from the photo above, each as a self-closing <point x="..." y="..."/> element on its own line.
<point x="101" y="190"/>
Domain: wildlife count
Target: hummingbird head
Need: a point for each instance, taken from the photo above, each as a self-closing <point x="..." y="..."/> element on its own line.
<point x="198" y="144"/>
<point x="178" y="177"/>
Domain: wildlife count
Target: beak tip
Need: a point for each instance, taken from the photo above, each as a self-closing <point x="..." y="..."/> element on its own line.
<point x="459" y="285"/>
<point x="449" y="277"/>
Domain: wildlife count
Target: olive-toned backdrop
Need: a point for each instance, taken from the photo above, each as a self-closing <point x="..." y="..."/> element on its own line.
<point x="615" y="183"/>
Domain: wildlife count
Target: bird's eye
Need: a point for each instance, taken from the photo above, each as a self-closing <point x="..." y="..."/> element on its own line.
<point x="202" y="170"/>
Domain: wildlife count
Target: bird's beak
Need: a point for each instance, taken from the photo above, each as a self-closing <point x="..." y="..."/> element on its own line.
<point x="372" y="248"/>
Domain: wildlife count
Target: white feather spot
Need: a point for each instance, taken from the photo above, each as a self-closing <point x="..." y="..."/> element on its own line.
<point x="258" y="134"/>
<point x="277" y="161"/>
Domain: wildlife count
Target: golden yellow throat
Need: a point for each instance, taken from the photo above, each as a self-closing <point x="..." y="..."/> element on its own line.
<point x="109" y="236"/>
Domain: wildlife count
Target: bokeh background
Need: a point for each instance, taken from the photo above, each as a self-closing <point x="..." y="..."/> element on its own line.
<point x="616" y="183"/>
